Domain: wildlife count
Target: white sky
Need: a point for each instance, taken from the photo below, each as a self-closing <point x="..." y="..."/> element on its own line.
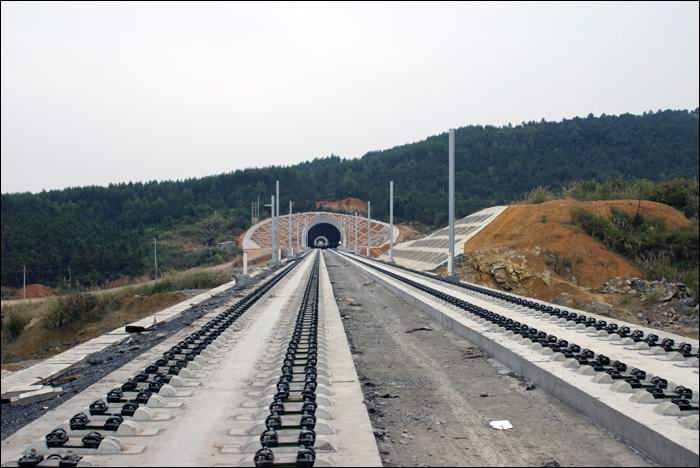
<point x="99" y="93"/>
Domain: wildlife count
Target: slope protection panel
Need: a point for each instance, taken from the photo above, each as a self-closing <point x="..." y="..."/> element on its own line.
<point x="430" y="252"/>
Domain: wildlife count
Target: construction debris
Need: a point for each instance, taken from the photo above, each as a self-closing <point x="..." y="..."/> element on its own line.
<point x="35" y="396"/>
<point x="413" y="330"/>
<point x="501" y="425"/>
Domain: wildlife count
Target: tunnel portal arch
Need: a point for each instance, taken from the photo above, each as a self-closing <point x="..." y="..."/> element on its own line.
<point x="325" y="226"/>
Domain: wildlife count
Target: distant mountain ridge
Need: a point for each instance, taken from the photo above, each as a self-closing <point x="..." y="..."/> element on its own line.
<point x="101" y="232"/>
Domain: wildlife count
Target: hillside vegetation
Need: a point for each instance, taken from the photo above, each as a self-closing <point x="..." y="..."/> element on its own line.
<point x="103" y="232"/>
<point x="661" y="250"/>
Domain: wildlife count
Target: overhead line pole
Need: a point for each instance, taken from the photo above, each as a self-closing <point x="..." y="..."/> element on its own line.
<point x="391" y="220"/>
<point x="277" y="214"/>
<point x="342" y="231"/>
<point x="273" y="231"/>
<point x="369" y="228"/>
<point x="289" y="231"/>
<point x="155" y="255"/>
<point x="451" y="204"/>
<point x="356" y="233"/>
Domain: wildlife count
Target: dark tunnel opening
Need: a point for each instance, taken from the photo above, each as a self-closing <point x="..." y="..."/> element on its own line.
<point x="322" y="233"/>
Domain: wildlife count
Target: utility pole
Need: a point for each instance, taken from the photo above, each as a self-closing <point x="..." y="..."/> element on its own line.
<point x="369" y="228"/>
<point x="391" y="220"/>
<point x="289" y="232"/>
<point x="356" y="251"/>
<point x="451" y="203"/>
<point x="155" y="255"/>
<point x="24" y="281"/>
<point x="298" y="238"/>
<point x="257" y="210"/>
<point x="305" y="240"/>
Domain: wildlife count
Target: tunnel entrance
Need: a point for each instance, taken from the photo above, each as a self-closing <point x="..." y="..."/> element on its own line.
<point x="323" y="235"/>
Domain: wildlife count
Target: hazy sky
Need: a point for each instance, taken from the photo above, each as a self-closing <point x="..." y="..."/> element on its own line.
<point x="99" y="93"/>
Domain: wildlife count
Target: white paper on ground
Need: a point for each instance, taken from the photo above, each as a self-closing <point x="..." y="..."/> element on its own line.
<point x="501" y="425"/>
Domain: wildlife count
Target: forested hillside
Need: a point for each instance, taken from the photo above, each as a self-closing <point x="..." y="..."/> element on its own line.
<point x="103" y="232"/>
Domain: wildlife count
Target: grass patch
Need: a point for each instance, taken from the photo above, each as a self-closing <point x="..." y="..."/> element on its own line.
<point x="183" y="280"/>
<point x="680" y="193"/>
<point x="76" y="307"/>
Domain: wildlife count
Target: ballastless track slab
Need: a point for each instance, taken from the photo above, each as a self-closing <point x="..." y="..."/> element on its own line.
<point x="214" y="394"/>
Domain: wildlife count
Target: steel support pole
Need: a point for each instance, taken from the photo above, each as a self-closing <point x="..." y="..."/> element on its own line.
<point x="273" y="233"/>
<point x="391" y="220"/>
<point x="369" y="228"/>
<point x="451" y="202"/>
<point x="277" y="217"/>
<point x="289" y="232"/>
<point x="356" y="251"/>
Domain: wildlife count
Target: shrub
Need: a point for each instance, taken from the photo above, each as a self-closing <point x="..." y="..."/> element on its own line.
<point x="539" y="195"/>
<point x="71" y="308"/>
<point x="558" y="262"/>
<point x="14" y="322"/>
<point x="109" y="301"/>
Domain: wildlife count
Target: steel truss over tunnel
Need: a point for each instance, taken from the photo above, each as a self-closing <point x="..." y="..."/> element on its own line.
<point x="332" y="229"/>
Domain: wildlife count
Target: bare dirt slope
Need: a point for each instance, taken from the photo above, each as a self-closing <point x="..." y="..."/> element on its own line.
<point x="347" y="205"/>
<point x="431" y="394"/>
<point x="33" y="291"/>
<point x="547" y="227"/>
<point x="535" y="251"/>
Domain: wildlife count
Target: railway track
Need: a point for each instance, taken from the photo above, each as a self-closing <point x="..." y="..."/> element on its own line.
<point x="253" y="384"/>
<point x="647" y="384"/>
<point x="289" y="436"/>
<point x="256" y="382"/>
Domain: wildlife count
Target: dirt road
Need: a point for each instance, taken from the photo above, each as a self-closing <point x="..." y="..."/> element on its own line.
<point x="431" y="394"/>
